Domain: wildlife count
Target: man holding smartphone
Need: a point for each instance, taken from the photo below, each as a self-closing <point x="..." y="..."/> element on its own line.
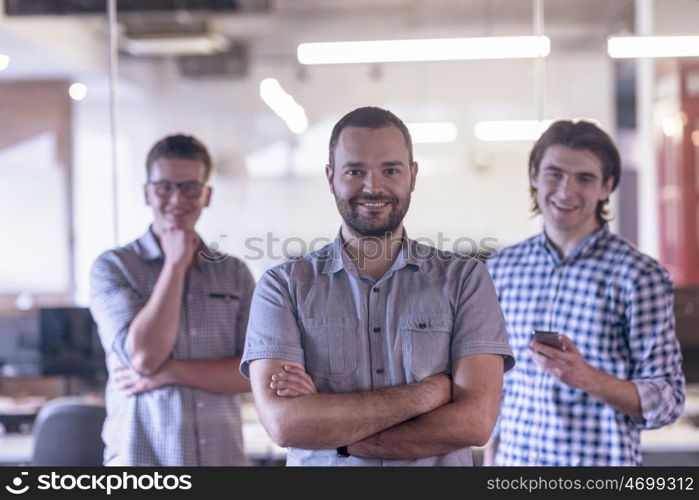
<point x="617" y="369"/>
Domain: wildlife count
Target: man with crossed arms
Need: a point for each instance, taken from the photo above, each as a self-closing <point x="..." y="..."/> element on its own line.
<point x="349" y="348"/>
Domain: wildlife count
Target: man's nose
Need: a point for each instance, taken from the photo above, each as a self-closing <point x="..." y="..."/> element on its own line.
<point x="373" y="183"/>
<point x="176" y="196"/>
<point x="566" y="186"/>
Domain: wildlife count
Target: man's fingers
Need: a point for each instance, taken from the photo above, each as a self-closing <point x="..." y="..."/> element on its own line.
<point x="289" y="393"/>
<point x="127" y="375"/>
<point x="300" y="372"/>
<point x="287" y="384"/>
<point x="126" y="385"/>
<point x="545" y="362"/>
<point x="295" y="378"/>
<point x="569" y="344"/>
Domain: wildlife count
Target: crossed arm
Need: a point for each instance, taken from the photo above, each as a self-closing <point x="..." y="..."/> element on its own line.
<point x="412" y="421"/>
<point x="321" y="421"/>
<point x="153" y="331"/>
<point x="213" y="375"/>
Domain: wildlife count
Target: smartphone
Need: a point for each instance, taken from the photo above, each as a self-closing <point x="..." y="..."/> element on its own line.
<point x="552" y="339"/>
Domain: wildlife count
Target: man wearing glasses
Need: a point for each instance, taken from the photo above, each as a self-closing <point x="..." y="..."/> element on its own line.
<point x="172" y="321"/>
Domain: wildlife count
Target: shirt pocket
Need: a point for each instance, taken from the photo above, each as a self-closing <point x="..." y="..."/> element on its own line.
<point x="330" y="350"/>
<point x="212" y="326"/>
<point x="426" y="341"/>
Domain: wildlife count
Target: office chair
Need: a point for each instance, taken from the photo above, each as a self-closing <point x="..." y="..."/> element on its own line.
<point x="67" y="432"/>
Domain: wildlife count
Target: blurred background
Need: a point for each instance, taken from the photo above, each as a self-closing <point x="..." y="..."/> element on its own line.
<point x="84" y="94"/>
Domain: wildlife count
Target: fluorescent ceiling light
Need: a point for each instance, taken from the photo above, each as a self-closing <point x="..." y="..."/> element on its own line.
<point x="620" y="47"/>
<point x="436" y="49"/>
<point x="510" y="130"/>
<point x="284" y="105"/>
<point x="4" y="61"/>
<point x="77" y="91"/>
<point x="175" y="44"/>
<point x="432" y="132"/>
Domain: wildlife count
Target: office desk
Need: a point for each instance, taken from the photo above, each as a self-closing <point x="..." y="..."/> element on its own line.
<point x="16" y="449"/>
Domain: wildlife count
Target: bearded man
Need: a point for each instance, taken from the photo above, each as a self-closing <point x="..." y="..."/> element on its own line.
<point x="376" y="350"/>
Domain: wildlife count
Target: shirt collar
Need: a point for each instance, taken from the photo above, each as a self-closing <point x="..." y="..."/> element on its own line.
<point x="583" y="248"/>
<point x="148" y="247"/>
<point x="337" y="259"/>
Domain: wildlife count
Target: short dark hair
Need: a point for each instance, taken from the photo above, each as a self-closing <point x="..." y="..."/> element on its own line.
<point x="368" y="117"/>
<point x="179" y="146"/>
<point x="583" y="135"/>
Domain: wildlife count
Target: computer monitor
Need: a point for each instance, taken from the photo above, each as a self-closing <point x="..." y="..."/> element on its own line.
<point x="19" y="347"/>
<point x="69" y="344"/>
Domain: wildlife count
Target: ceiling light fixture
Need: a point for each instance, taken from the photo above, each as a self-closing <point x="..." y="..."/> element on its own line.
<point x="77" y="91"/>
<point x="175" y="44"/>
<point x="432" y="132"/>
<point x="284" y="105"/>
<point x="434" y="49"/>
<point x="621" y="47"/>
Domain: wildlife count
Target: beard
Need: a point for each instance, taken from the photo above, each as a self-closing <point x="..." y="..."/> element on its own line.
<point x="372" y="225"/>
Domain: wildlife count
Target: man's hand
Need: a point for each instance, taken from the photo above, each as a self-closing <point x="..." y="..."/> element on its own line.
<point x="292" y="382"/>
<point x="568" y="365"/>
<point x="134" y="383"/>
<point x="179" y="245"/>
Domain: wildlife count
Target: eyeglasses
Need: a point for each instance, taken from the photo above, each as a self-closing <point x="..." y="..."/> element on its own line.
<point x="189" y="189"/>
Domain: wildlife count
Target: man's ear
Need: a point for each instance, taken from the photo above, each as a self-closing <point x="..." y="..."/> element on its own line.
<point x="207" y="200"/>
<point x="607" y="188"/>
<point x="413" y="175"/>
<point x="532" y="178"/>
<point x="330" y="175"/>
<point x="145" y="194"/>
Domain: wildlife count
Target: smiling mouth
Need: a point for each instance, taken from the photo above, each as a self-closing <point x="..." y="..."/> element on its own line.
<point x="563" y="208"/>
<point x="373" y="204"/>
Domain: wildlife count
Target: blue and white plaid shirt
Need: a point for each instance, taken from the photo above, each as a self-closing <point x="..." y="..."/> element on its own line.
<point x="615" y="304"/>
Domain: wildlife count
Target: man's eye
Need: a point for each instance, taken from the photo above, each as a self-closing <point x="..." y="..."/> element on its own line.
<point x="391" y="171"/>
<point x="354" y="172"/>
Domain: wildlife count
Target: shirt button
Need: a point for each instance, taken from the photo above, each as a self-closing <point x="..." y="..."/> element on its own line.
<point x="193" y="333"/>
<point x="190" y="296"/>
<point x="200" y="405"/>
<point x="202" y="441"/>
<point x="422" y="326"/>
<point x="376" y="290"/>
<point x="377" y="329"/>
<point x="379" y="371"/>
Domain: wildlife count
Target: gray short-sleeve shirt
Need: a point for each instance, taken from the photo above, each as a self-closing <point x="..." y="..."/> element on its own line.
<point x="173" y="425"/>
<point x="354" y="334"/>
